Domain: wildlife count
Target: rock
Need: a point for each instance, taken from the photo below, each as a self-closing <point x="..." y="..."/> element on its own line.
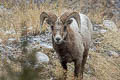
<point x="103" y="31"/>
<point x="98" y="30"/>
<point x="42" y="58"/>
<point x="113" y="53"/>
<point x="12" y="31"/>
<point x="35" y="46"/>
<point x="46" y="46"/>
<point x="30" y="28"/>
<point x="97" y="27"/>
<point x="110" y="25"/>
<point x="11" y="39"/>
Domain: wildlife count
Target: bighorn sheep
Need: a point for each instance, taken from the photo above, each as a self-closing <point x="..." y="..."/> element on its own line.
<point x="71" y="38"/>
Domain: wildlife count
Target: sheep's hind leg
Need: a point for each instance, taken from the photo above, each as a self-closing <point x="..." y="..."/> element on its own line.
<point x="77" y="72"/>
<point x="84" y="61"/>
<point x="64" y="65"/>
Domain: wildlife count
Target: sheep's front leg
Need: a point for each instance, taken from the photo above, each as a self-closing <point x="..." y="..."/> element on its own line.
<point x="64" y="65"/>
<point x="77" y="72"/>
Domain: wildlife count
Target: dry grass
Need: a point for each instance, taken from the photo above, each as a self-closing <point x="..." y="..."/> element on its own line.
<point x="98" y="67"/>
<point x="18" y="17"/>
<point x="103" y="68"/>
<point x="24" y="15"/>
<point x="113" y="39"/>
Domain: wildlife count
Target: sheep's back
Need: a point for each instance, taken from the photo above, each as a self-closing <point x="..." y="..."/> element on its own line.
<point x="85" y="30"/>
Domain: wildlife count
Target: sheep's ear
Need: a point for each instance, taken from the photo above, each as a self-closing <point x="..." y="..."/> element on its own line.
<point x="69" y="22"/>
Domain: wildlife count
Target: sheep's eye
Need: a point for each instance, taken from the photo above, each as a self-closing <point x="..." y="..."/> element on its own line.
<point x="65" y="28"/>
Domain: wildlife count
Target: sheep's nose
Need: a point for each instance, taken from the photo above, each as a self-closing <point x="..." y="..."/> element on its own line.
<point x="57" y="38"/>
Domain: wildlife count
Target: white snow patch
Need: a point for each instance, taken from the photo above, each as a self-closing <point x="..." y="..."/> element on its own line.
<point x="46" y="46"/>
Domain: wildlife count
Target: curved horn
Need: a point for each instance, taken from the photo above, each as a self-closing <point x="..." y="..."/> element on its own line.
<point x="50" y="16"/>
<point x="67" y="15"/>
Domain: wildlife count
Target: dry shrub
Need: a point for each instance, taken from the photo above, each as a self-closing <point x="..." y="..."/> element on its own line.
<point x="96" y="16"/>
<point x="17" y="17"/>
<point x="113" y="39"/>
<point x="103" y="68"/>
<point x="98" y="67"/>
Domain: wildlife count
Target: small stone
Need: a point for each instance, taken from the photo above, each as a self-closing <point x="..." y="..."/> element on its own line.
<point x="103" y="31"/>
<point x="11" y="39"/>
<point x="110" y="25"/>
<point x="41" y="57"/>
<point x="114" y="54"/>
<point x="12" y="31"/>
<point x="30" y="28"/>
<point x="46" y="46"/>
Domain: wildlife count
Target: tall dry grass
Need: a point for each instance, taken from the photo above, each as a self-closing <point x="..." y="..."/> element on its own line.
<point x="25" y="16"/>
<point x="17" y="17"/>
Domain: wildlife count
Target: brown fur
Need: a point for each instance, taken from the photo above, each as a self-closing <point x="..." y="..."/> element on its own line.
<point x="75" y="46"/>
<point x="69" y="53"/>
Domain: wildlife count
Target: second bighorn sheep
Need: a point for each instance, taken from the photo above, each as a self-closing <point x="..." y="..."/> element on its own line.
<point x="71" y="38"/>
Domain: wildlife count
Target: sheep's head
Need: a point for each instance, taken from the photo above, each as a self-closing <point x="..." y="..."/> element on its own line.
<point x="59" y="26"/>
